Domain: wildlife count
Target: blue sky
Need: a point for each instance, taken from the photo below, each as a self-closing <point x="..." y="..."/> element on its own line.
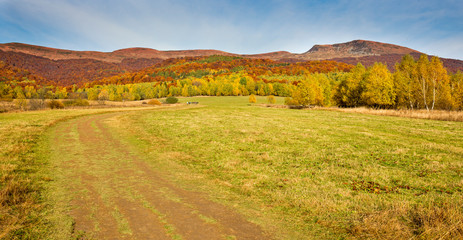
<point x="433" y="27"/>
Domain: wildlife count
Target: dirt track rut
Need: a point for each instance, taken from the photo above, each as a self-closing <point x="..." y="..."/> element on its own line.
<point x="116" y="195"/>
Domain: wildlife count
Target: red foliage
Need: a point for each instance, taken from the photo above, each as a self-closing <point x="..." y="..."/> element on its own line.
<point x="171" y="69"/>
<point x="20" y="77"/>
<point x="92" y="72"/>
<point x="72" y="71"/>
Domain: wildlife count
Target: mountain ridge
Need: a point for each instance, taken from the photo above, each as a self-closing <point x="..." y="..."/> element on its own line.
<point x="356" y="48"/>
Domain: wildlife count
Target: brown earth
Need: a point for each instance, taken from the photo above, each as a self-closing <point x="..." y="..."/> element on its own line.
<point x="117" y="195"/>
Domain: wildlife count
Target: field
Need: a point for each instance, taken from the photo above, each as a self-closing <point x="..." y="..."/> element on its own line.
<point x="296" y="174"/>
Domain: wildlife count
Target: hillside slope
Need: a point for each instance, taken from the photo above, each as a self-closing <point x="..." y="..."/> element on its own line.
<point x="112" y="57"/>
<point x="67" y="67"/>
<point x="357" y="48"/>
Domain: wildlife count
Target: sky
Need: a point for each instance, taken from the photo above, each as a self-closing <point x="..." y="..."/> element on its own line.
<point x="237" y="26"/>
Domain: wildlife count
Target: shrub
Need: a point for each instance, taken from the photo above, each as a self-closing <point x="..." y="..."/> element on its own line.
<point x="55" y="104"/>
<point x="36" y="104"/>
<point x="291" y="102"/>
<point x="154" y="102"/>
<point x="252" y="98"/>
<point x="271" y="99"/>
<point x="82" y="102"/>
<point x="21" y="103"/>
<point x="6" y="106"/>
<point x="171" y="100"/>
<point x="3" y="108"/>
<point x="76" y="102"/>
<point x="68" y="103"/>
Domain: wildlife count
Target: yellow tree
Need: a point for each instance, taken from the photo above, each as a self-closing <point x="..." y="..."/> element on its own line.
<point x="61" y="93"/>
<point x="405" y="85"/>
<point x="252" y="98"/>
<point x="271" y="99"/>
<point x="440" y="85"/>
<point x="271" y="91"/>
<point x="163" y="91"/>
<point x="313" y="89"/>
<point x="326" y="87"/>
<point x="457" y="90"/>
<point x="422" y="73"/>
<point x="92" y="93"/>
<point x="349" y="90"/>
<point x="20" y="101"/>
<point x="300" y="95"/>
<point x="378" y="87"/>
<point x="103" y="95"/>
<point x="6" y="92"/>
<point x="30" y="92"/>
<point x="185" y="92"/>
<point x="250" y="85"/>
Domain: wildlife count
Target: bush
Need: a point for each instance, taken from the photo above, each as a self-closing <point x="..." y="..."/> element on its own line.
<point x="271" y="99"/>
<point x="36" y="104"/>
<point x="82" y="102"/>
<point x="171" y="100"/>
<point x="55" y="104"/>
<point x="21" y="103"/>
<point x="252" y="98"/>
<point x="154" y="102"/>
<point x="291" y="102"/>
<point x="76" y="102"/>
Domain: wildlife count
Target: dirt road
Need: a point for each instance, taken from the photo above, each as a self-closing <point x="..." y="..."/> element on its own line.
<point x="117" y="195"/>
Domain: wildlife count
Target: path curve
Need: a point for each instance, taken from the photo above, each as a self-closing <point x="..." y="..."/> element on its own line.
<point x="116" y="195"/>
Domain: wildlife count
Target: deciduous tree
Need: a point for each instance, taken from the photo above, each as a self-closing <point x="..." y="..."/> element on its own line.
<point x="378" y="87"/>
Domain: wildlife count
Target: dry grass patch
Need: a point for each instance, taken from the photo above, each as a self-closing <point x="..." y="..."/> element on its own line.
<point x="433" y="220"/>
<point x="420" y="114"/>
<point x="39" y="104"/>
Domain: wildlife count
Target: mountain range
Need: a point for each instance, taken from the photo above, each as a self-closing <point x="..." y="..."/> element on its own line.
<point x="59" y="65"/>
<point x="357" y="48"/>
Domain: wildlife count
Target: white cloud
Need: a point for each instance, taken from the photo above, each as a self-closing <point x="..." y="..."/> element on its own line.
<point x="72" y="22"/>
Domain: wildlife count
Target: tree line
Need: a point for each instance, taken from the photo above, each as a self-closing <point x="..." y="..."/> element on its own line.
<point x="421" y="84"/>
<point x="415" y="84"/>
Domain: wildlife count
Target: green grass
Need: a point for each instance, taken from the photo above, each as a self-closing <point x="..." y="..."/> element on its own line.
<point x="298" y="173"/>
<point x="312" y="172"/>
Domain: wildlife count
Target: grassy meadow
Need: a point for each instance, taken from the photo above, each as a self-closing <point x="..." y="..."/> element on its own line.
<point x="300" y="174"/>
<point x="313" y="172"/>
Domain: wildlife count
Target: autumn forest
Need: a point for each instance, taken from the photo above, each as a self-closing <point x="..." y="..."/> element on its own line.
<point x="414" y="84"/>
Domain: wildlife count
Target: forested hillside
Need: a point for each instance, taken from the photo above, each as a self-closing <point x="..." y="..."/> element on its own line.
<point x="72" y="71"/>
<point x="422" y="84"/>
